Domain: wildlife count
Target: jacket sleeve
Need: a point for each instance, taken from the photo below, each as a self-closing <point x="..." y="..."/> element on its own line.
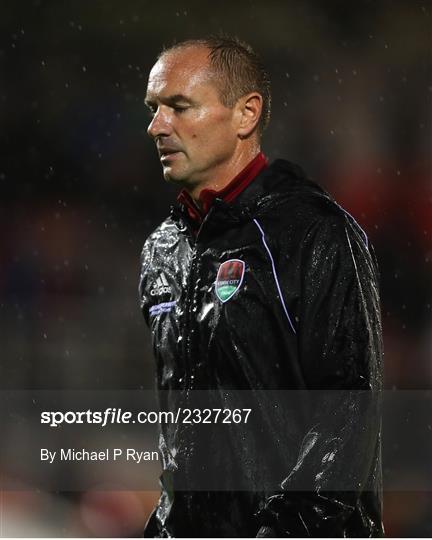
<point x="340" y="353"/>
<point x="146" y="261"/>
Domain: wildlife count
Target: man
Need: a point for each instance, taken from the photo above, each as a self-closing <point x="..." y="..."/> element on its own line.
<point x="257" y="281"/>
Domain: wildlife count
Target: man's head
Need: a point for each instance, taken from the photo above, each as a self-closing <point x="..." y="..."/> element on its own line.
<point x="210" y="101"/>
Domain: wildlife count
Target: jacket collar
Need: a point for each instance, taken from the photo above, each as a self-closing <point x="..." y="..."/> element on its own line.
<point x="268" y="189"/>
<point x="228" y="194"/>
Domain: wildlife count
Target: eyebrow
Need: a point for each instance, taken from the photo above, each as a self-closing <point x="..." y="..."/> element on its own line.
<point x="169" y="100"/>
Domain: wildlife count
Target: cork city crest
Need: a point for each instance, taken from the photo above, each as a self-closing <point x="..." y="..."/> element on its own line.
<point x="229" y="278"/>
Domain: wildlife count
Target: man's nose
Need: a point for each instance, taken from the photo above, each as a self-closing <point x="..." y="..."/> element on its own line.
<point x="160" y="124"/>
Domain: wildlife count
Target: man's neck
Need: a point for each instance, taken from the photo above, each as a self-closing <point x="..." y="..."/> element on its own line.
<point x="228" y="194"/>
<point x="223" y="176"/>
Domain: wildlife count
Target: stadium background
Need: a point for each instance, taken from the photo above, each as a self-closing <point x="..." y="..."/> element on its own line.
<point x="81" y="188"/>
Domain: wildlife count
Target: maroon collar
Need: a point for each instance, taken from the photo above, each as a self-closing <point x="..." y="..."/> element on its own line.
<point x="227" y="194"/>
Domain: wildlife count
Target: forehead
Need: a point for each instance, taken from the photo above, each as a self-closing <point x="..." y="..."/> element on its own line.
<point x="184" y="71"/>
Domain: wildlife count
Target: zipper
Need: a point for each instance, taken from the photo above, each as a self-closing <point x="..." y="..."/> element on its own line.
<point x="190" y="329"/>
<point x="187" y="329"/>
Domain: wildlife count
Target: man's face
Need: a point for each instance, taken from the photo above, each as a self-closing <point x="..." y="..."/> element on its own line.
<point x="194" y="132"/>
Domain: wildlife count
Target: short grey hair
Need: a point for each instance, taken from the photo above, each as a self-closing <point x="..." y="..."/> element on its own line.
<point x="238" y="69"/>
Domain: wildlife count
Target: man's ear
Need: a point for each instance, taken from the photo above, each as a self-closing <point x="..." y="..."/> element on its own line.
<point x="250" y="107"/>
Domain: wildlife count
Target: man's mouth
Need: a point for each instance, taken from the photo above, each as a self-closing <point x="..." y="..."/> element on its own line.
<point x="168" y="153"/>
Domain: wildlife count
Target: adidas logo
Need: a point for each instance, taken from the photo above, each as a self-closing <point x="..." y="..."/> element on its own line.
<point x="161" y="286"/>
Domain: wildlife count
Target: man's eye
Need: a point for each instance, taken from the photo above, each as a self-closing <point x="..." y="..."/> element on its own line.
<point x="179" y="109"/>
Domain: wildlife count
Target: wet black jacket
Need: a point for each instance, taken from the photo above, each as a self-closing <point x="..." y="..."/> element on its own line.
<point x="301" y="312"/>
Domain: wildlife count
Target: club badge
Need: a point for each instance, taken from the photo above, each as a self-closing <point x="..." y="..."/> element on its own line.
<point x="229" y="279"/>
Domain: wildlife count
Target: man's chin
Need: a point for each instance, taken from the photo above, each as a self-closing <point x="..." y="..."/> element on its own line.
<point x="170" y="174"/>
<point x="170" y="177"/>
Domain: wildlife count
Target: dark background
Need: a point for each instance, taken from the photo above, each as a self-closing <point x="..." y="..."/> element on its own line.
<point x="81" y="188"/>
